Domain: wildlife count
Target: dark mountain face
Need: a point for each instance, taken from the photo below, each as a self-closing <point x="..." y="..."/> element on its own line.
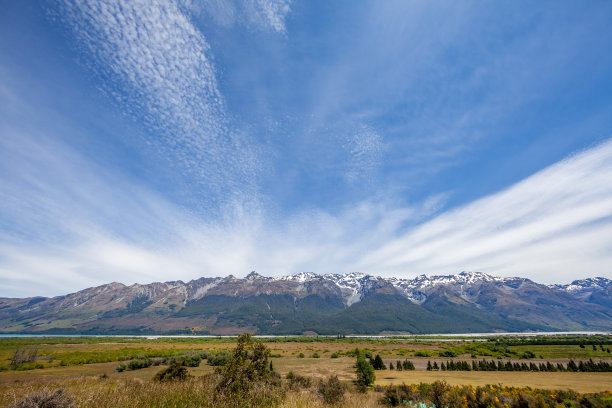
<point x="326" y="304"/>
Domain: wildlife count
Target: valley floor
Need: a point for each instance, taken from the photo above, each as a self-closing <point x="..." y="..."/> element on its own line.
<point x="71" y="365"/>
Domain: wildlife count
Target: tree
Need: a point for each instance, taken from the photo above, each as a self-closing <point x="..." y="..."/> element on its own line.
<point x="378" y="363"/>
<point x="247" y="367"/>
<point x="365" y="374"/>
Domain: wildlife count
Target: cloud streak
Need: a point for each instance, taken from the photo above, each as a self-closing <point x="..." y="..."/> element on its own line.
<point x="553" y="226"/>
<point x="158" y="66"/>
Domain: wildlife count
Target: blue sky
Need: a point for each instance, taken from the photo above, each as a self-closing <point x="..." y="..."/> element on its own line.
<point x="144" y="141"/>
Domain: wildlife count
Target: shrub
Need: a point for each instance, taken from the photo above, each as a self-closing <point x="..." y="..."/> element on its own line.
<point x="191" y="360"/>
<point x="365" y="374"/>
<point x="334" y="355"/>
<point x="120" y="368"/>
<point x="176" y="371"/>
<point x="422" y="353"/>
<point x="247" y="368"/>
<point x="315" y="355"/>
<point x="298" y="381"/>
<point x="45" y="399"/>
<point x="301" y="355"/>
<point x="157" y="361"/>
<point x="139" y="364"/>
<point x="399" y="395"/>
<point x="437" y="393"/>
<point x="527" y="355"/>
<point x="447" y="353"/>
<point x="219" y="359"/>
<point x="331" y="390"/>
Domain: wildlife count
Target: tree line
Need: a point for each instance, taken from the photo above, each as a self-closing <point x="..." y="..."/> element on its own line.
<point x="484" y="365"/>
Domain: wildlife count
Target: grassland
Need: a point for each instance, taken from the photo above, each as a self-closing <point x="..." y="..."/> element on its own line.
<point x="85" y="367"/>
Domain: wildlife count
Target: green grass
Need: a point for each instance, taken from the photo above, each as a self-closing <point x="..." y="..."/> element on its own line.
<point x="564" y="351"/>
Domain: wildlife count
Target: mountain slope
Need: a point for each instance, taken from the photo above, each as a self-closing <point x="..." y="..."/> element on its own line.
<point x="327" y="304"/>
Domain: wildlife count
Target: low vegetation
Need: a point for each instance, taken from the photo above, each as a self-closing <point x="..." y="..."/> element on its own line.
<point x="241" y="373"/>
<point x="440" y="394"/>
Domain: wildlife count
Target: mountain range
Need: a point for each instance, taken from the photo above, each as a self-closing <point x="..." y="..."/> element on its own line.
<point x="308" y="303"/>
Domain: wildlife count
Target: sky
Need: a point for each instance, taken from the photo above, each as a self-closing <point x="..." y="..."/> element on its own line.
<point x="147" y="141"/>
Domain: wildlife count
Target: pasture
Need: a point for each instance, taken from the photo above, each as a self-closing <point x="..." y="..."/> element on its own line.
<point x="88" y="366"/>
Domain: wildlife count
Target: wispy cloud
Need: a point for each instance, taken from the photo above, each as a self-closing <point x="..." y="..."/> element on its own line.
<point x="158" y="66"/>
<point x="554" y="226"/>
<point x="365" y="147"/>
<point x="266" y="15"/>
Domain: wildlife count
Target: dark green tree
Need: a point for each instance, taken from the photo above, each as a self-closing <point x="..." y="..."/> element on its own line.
<point x="365" y="374"/>
<point x="378" y="363"/>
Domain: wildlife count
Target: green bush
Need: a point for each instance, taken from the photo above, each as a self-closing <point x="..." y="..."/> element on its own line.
<point x="190" y="360"/>
<point x="246" y="369"/>
<point x="527" y="355"/>
<point x="315" y="355"/>
<point x="175" y="372"/>
<point x="140" y="364"/>
<point x="219" y="359"/>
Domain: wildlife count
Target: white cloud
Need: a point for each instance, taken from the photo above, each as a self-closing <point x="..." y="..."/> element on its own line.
<point x="158" y="66"/>
<point x="266" y="15"/>
<point x="92" y="227"/>
<point x="554" y="226"/>
<point x="365" y="147"/>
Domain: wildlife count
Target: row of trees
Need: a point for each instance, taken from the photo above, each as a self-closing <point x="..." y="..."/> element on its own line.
<point x="378" y="364"/>
<point x="405" y="365"/>
<point x="484" y="365"/>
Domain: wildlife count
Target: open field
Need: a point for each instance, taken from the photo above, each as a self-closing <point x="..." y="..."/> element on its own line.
<point x="581" y="382"/>
<point x="88" y="366"/>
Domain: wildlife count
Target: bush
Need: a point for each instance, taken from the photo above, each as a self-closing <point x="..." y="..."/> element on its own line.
<point x="246" y="369"/>
<point x="176" y="371"/>
<point x="301" y="355"/>
<point x="191" y="360"/>
<point x="422" y="353"/>
<point x="335" y="355"/>
<point x="139" y="364"/>
<point x="331" y="390"/>
<point x="365" y="374"/>
<point x="219" y="359"/>
<point x="298" y="381"/>
<point x="45" y="399"/>
<point x="447" y="353"/>
<point x="315" y="355"/>
<point x="527" y="355"/>
<point x="120" y="368"/>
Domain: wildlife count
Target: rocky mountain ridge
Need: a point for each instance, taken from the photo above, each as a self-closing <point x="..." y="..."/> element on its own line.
<point x="468" y="301"/>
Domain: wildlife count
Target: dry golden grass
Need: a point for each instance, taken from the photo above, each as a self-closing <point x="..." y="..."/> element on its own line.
<point x="195" y="392"/>
<point x="581" y="382"/>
